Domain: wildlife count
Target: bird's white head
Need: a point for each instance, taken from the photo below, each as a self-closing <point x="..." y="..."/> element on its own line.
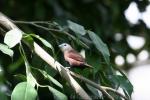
<point x="65" y="47"/>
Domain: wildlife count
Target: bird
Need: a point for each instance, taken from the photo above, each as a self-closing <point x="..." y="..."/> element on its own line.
<point x="73" y="57"/>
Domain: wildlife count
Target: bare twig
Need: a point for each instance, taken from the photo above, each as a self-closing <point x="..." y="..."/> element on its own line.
<point x="36" y="24"/>
<point x="50" y="60"/>
<point x="30" y="22"/>
<point x="115" y="91"/>
<point x="97" y="86"/>
<point x="91" y="83"/>
<point x="2" y="31"/>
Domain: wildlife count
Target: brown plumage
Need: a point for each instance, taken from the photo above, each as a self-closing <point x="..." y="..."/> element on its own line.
<point x="73" y="57"/>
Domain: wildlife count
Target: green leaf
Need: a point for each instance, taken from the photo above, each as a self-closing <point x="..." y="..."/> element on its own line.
<point x="46" y="43"/>
<point x="52" y="79"/>
<point x="30" y="79"/>
<point x="95" y="91"/>
<point x="15" y="64"/>
<point x="100" y="45"/>
<point x="29" y="40"/>
<point x="76" y="28"/>
<point x="47" y="76"/>
<point x="24" y="91"/>
<point x="50" y="70"/>
<point x="125" y="84"/>
<point x="13" y="37"/>
<point x="5" y="49"/>
<point x="122" y="82"/>
<point x="57" y="95"/>
<point x="20" y="77"/>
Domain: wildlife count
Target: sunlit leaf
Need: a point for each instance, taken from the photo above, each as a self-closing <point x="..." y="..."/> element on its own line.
<point x="100" y="45"/>
<point x="45" y="42"/>
<point x="47" y="76"/>
<point x="13" y="37"/>
<point x="52" y="79"/>
<point x="24" y="91"/>
<point x="30" y="79"/>
<point x="29" y="40"/>
<point x="5" y="49"/>
<point x="57" y="95"/>
<point x="76" y="28"/>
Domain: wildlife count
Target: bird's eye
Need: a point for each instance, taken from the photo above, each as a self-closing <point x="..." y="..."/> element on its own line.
<point x="64" y="44"/>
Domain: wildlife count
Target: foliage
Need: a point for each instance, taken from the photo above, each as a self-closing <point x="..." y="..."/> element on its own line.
<point x="26" y="89"/>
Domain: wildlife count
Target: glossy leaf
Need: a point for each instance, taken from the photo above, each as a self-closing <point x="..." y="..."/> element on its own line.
<point x="24" y="91"/>
<point x="47" y="76"/>
<point x="125" y="84"/>
<point x="100" y="45"/>
<point x="57" y="95"/>
<point x="30" y="79"/>
<point x="6" y="50"/>
<point x="76" y="28"/>
<point x="13" y="37"/>
<point x="29" y="40"/>
<point x="52" y="79"/>
<point x="122" y="82"/>
<point x="45" y="42"/>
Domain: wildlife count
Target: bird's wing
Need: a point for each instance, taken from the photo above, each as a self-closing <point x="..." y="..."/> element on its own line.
<point x="75" y="55"/>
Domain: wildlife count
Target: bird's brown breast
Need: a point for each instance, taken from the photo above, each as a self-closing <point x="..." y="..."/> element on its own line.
<point x="74" y="58"/>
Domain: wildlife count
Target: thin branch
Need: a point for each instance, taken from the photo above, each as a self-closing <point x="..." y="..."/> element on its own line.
<point x="101" y="88"/>
<point x="36" y="24"/>
<point x="6" y="22"/>
<point x="91" y="83"/>
<point x="115" y="91"/>
<point x="29" y="22"/>
<point x="2" y="31"/>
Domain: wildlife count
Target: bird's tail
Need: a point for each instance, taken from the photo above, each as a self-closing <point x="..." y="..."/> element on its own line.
<point x="87" y="65"/>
